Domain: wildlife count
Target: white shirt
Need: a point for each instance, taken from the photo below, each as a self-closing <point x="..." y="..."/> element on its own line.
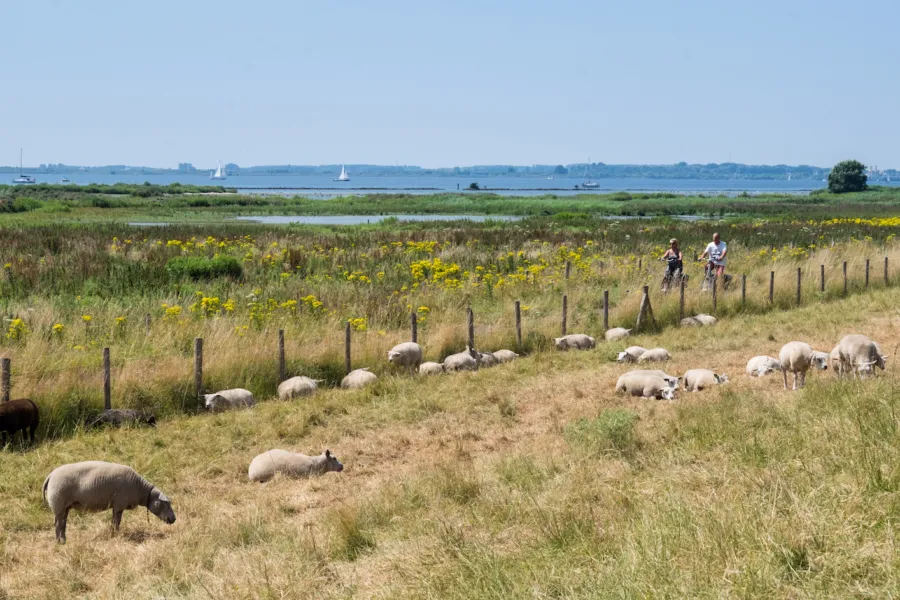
<point x="715" y="252"/>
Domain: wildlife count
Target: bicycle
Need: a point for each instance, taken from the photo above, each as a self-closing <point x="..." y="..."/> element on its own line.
<point x="709" y="277"/>
<point x="672" y="277"/>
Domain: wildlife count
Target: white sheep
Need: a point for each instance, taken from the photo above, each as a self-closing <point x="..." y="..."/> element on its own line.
<point x="462" y="361"/>
<point x="646" y="384"/>
<point x="835" y="362"/>
<point x="266" y="465"/>
<point x="358" y="378"/>
<point x="630" y="354"/>
<point x="296" y="387"/>
<point x="698" y="379"/>
<point x="860" y="355"/>
<point x="616" y="333"/>
<point x="576" y="341"/>
<point x="655" y="355"/>
<point x="96" y="486"/>
<point x="407" y="354"/>
<point x="760" y="366"/>
<point x="505" y="356"/>
<point x="701" y="320"/>
<point x="798" y="357"/>
<point x="431" y="368"/>
<point x="228" y="400"/>
<point x="486" y="359"/>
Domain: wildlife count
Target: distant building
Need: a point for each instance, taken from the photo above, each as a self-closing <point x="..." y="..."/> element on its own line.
<point x="186" y="168"/>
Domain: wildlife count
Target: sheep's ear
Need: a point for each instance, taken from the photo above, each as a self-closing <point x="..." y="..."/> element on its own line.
<point x="327" y="453"/>
<point x="162" y="497"/>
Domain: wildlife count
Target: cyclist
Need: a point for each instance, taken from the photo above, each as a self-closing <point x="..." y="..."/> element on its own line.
<point x="675" y="266"/>
<point x="716" y="251"/>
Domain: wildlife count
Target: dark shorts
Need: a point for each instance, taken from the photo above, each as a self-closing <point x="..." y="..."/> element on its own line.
<point x="674" y="268"/>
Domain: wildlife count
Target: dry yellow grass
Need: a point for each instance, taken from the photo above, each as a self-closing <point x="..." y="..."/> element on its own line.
<point x="470" y="486"/>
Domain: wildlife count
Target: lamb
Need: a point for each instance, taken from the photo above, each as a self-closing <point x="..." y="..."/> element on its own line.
<point x="505" y="356"/>
<point x="18" y="415"/>
<point x="96" y="486"/>
<point x="296" y="387"/>
<point x="760" y="366"/>
<point x="655" y="355"/>
<point x="798" y="357"/>
<point x="407" y="354"/>
<point x="117" y="417"/>
<point x="576" y="341"/>
<point x="228" y="400"/>
<point x="486" y="359"/>
<point x="358" y="378"/>
<point x="431" y="368"/>
<point x="646" y="384"/>
<point x="616" y="333"/>
<point x="630" y="354"/>
<point x="700" y="320"/>
<point x="859" y="354"/>
<point x="462" y="361"/>
<point x="698" y="379"/>
<point x="266" y="465"/>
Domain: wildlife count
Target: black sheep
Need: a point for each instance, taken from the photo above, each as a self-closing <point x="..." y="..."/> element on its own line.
<point x="123" y="416"/>
<point x="18" y="415"/>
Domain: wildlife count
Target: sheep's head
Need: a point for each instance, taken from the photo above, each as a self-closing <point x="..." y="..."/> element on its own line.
<point x="723" y="378"/>
<point x="213" y="401"/>
<point x="161" y="506"/>
<point x="332" y="463"/>
<point x="820" y="360"/>
<point x="624" y="357"/>
<point x="561" y="343"/>
<point x="393" y="356"/>
<point x="668" y="393"/>
<point x="764" y="370"/>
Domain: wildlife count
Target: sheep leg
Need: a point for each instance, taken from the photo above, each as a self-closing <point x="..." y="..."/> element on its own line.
<point x="794" y="387"/>
<point x="116" y="519"/>
<point x="31" y="431"/>
<point x="60" y="523"/>
<point x="784" y="373"/>
<point x="2" y="439"/>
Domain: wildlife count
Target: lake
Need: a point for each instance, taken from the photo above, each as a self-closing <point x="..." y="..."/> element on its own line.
<point x="363" y="219"/>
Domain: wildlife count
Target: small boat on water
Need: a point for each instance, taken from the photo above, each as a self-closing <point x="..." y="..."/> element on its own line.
<point x="550" y="178"/>
<point x="343" y="176"/>
<point x="23" y="178"/>
<point x="65" y="180"/>
<point x="220" y="173"/>
<point x="587" y="183"/>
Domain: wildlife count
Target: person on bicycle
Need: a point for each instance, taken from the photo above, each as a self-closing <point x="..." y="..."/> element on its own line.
<point x="674" y="258"/>
<point x="716" y="251"/>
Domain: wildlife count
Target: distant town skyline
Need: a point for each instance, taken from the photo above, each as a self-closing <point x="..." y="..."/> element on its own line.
<point x="433" y="84"/>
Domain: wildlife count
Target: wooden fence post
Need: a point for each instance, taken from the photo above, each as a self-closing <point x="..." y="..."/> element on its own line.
<point x="771" y="287"/>
<point x="347" y="367"/>
<point x="822" y="278"/>
<point x="282" y="375"/>
<point x="640" y="263"/>
<point x="568" y="268"/>
<point x="5" y="376"/>
<point x="107" y="381"/>
<point x="414" y="327"/>
<point x="471" y="328"/>
<point x="565" y="313"/>
<point x="147" y="323"/>
<point x="845" y="278"/>
<point x="886" y="280"/>
<point x="519" y="323"/>
<point x="605" y="310"/>
<point x="743" y="290"/>
<point x="198" y="368"/>
<point x="681" y="301"/>
<point x="799" y="274"/>
<point x="646" y="311"/>
<point x="867" y="273"/>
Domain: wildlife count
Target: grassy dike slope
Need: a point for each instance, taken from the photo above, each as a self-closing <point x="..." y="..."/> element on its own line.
<point x="488" y="485"/>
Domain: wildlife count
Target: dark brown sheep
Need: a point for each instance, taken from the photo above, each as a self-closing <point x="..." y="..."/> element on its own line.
<point x="18" y="415"/>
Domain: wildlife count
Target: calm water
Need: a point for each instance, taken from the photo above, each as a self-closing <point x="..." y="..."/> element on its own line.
<point x="320" y="186"/>
<point x="362" y="219"/>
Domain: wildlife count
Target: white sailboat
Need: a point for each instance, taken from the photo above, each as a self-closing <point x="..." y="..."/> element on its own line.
<point x="22" y="178"/>
<point x="343" y="176"/>
<point x="220" y="173"/>
<point x="587" y="183"/>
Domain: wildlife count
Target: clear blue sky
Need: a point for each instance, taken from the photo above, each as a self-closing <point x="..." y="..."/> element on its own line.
<point x="451" y="83"/>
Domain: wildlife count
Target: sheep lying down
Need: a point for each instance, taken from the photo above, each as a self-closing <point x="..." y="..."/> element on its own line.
<point x="96" y="486"/>
<point x="266" y="465"/>
<point x="647" y="384"/>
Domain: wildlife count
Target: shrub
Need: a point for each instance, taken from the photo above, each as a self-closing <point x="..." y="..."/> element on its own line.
<point x="612" y="431"/>
<point x="200" y="267"/>
<point x="847" y="176"/>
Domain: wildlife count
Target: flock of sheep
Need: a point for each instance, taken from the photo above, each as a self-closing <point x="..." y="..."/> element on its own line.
<point x="98" y="486"/>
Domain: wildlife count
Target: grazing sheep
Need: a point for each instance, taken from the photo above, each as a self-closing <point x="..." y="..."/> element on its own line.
<point x="576" y="341"/>
<point x="407" y="354"/>
<point x="486" y="359"/>
<point x="616" y="333"/>
<point x="297" y="387"/>
<point x="117" y="417"/>
<point x="228" y="400"/>
<point x="798" y="357"/>
<point x="96" y="486"/>
<point x="698" y="379"/>
<point x="630" y="354"/>
<point x="462" y="361"/>
<point x="760" y="366"/>
<point x="358" y="378"/>
<point x="431" y="368"/>
<point x="266" y="465"/>
<point x="700" y="320"/>
<point x="505" y="356"/>
<point x="655" y="355"/>
<point x="646" y="384"/>
<point x="18" y="415"/>
<point x="860" y="355"/>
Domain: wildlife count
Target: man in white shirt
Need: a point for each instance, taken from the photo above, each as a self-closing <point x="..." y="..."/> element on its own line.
<point x="716" y="251"/>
